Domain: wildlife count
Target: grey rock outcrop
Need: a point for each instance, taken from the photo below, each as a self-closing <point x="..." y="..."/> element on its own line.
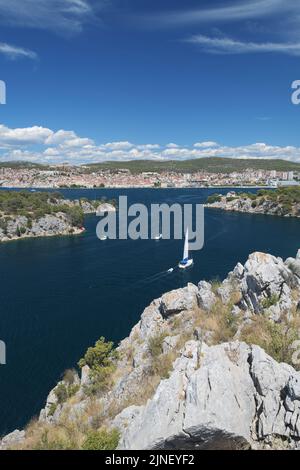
<point x="261" y="205"/>
<point x="205" y="295"/>
<point x="174" y="388"/>
<point x="14" y="438"/>
<point x="264" y="282"/>
<point x="179" y="300"/>
<point x="230" y="396"/>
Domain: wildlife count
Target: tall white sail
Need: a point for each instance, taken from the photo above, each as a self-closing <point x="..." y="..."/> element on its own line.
<point x="186" y="245"/>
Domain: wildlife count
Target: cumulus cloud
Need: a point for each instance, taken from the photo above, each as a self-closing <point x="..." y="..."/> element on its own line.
<point x="23" y="136"/>
<point x="203" y="145"/>
<point x="172" y="145"/>
<point x="118" y="145"/>
<point x="14" y="52"/>
<point x="39" y="144"/>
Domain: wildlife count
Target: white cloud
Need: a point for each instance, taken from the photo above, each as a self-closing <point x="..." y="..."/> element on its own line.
<point x="276" y="27"/>
<point x="56" y="15"/>
<point x="23" y="136"/>
<point x="14" y="52"/>
<point x="206" y="144"/>
<point x="171" y="145"/>
<point x="60" y="137"/>
<point x="225" y="45"/>
<point x="39" y="144"/>
<point x="236" y="11"/>
<point x="118" y="145"/>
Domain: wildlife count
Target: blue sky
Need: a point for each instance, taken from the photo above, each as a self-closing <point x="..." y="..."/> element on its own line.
<point x="93" y="80"/>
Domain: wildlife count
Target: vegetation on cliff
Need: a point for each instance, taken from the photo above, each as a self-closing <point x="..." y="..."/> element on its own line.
<point x="25" y="213"/>
<point x="101" y="360"/>
<point x="36" y="205"/>
<point x="209" y="164"/>
<point x="195" y="340"/>
<point x="281" y="201"/>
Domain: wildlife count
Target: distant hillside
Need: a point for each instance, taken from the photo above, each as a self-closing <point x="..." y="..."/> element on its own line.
<point x="21" y="165"/>
<point x="210" y="164"/>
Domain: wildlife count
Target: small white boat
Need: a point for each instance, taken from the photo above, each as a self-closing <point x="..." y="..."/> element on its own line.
<point x="158" y="237"/>
<point x="186" y="261"/>
<point x="103" y="238"/>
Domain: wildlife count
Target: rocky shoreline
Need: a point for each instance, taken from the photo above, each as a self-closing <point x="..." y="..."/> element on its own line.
<point x="194" y="349"/>
<point x="59" y="223"/>
<point x="260" y="203"/>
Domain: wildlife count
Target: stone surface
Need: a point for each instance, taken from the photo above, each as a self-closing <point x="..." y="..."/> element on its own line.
<point x="205" y="295"/>
<point x="179" y="300"/>
<point x="14" y="438"/>
<point x="226" y="396"/>
<point x="264" y="282"/>
<point x="230" y="396"/>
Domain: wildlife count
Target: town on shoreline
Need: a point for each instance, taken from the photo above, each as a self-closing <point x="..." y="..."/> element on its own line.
<point x="26" y="175"/>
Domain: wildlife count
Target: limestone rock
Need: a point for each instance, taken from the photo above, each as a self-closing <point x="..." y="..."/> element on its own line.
<point x="85" y="376"/>
<point x="14" y="438"/>
<point x="179" y="300"/>
<point x="264" y="282"/>
<point x="206" y="297"/>
<point x="230" y="396"/>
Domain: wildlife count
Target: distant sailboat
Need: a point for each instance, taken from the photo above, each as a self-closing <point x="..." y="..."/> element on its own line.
<point x="158" y="235"/>
<point x="186" y="261"/>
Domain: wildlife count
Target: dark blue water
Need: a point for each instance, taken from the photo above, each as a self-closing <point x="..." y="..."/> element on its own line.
<point x="58" y="295"/>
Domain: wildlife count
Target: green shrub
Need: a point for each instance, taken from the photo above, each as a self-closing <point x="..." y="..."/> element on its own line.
<point x="101" y="360"/>
<point x="270" y="301"/>
<point x="102" y="440"/>
<point x="63" y="392"/>
<point x="275" y="338"/>
<point x="155" y="344"/>
<point x="214" y="198"/>
<point x="49" y="442"/>
<point x="75" y="215"/>
<point x="52" y="409"/>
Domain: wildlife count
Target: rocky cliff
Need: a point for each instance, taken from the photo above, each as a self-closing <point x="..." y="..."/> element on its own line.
<point x="212" y="366"/>
<point x="56" y="222"/>
<point x="282" y="202"/>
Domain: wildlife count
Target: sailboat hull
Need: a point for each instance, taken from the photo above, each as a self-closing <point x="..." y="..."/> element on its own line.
<point x="186" y="264"/>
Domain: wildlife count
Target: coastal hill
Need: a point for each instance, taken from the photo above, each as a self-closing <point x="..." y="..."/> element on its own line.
<point x="194" y="350"/>
<point x="208" y="164"/>
<point x="281" y="202"/>
<point x="28" y="214"/>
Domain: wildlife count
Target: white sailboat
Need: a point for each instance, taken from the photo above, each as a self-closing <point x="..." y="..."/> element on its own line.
<point x="186" y="261"/>
<point x="158" y="236"/>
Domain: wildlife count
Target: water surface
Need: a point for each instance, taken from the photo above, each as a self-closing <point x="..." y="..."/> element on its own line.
<point x="59" y="295"/>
